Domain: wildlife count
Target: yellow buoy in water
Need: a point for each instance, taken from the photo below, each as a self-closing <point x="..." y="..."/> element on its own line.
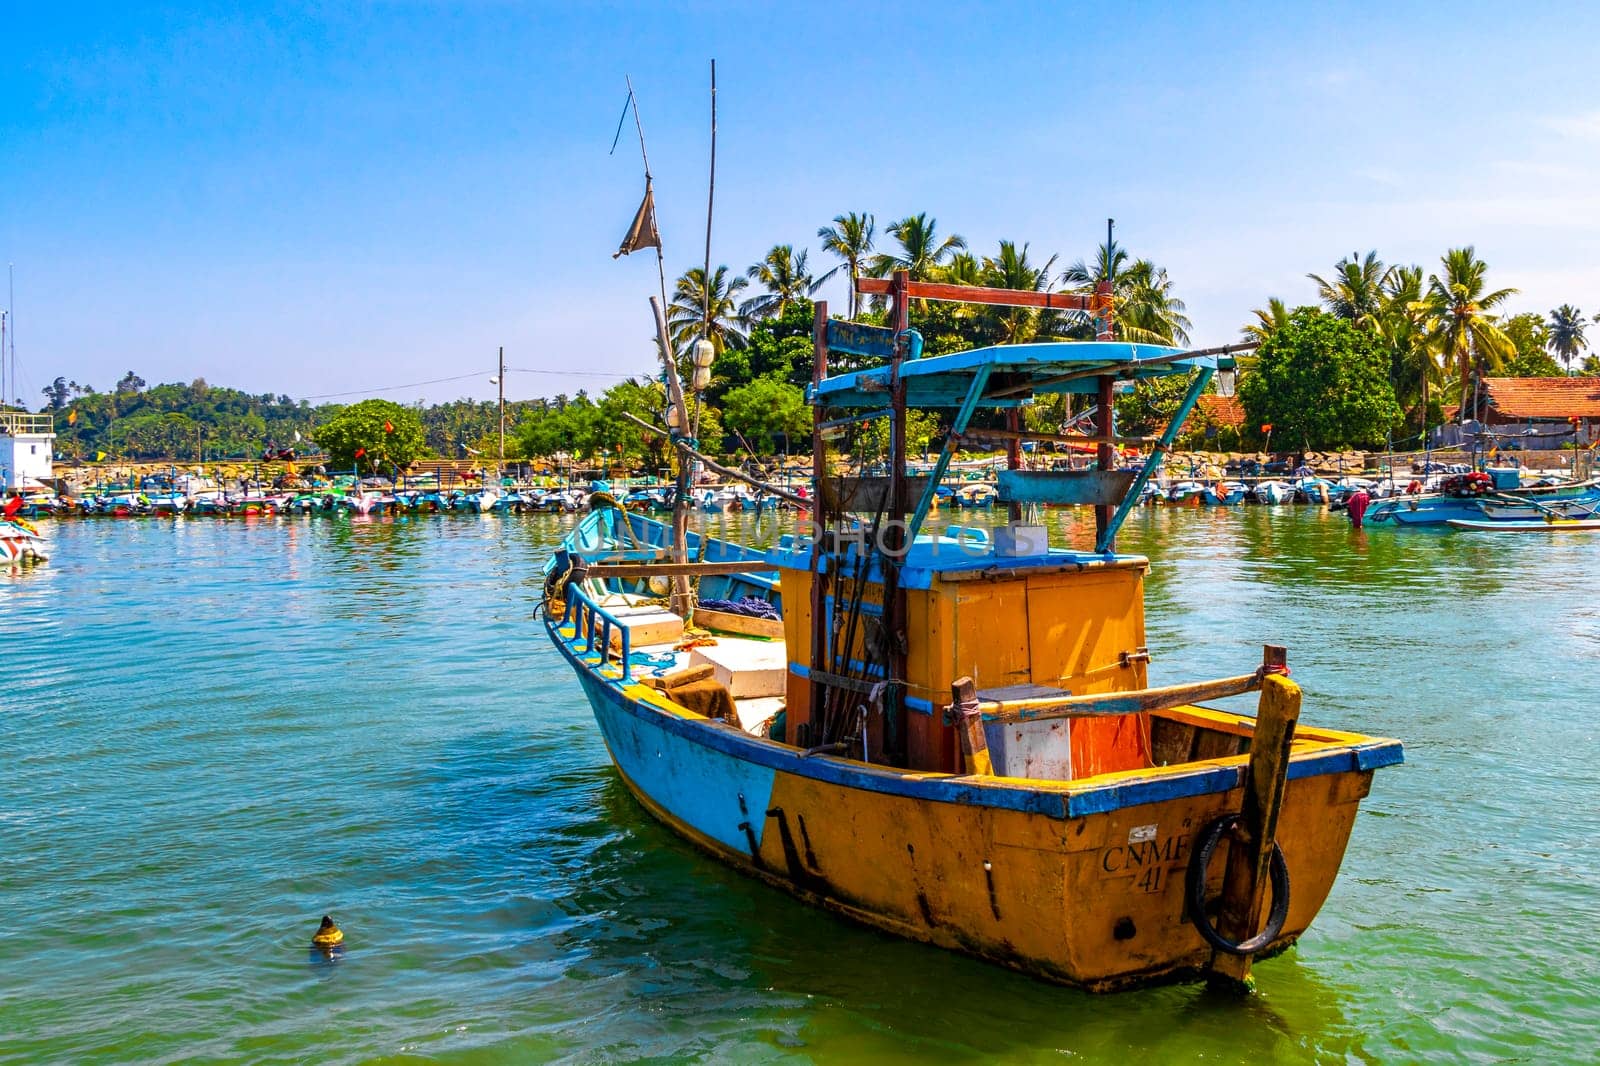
<point x="328" y="935"/>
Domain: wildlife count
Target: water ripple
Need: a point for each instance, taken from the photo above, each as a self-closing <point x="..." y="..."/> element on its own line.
<point x="217" y="731"/>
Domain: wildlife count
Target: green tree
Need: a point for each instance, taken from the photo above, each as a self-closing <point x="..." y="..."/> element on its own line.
<point x="1268" y="319"/>
<point x="1146" y="309"/>
<point x="1403" y="325"/>
<point x="57" y="393"/>
<point x="643" y="398"/>
<point x="1355" y="293"/>
<point x="385" y="434"/>
<point x="542" y="433"/>
<point x="765" y="410"/>
<point x="787" y="279"/>
<point x="1152" y="402"/>
<point x="1566" y="334"/>
<point x="849" y="238"/>
<point x="963" y="268"/>
<point x="1534" y="364"/>
<point x="1320" y="383"/>
<point x="921" y="251"/>
<point x="1461" y="309"/>
<point x="1527" y="332"/>
<point x="1530" y="342"/>
<point x="691" y="317"/>
<point x="1009" y="268"/>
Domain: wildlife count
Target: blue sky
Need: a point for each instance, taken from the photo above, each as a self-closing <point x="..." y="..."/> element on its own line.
<point x="333" y="199"/>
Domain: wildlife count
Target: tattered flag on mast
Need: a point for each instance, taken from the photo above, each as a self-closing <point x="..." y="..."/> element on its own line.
<point x="643" y="232"/>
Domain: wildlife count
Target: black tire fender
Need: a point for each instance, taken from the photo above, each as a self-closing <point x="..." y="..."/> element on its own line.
<point x="1195" y="891"/>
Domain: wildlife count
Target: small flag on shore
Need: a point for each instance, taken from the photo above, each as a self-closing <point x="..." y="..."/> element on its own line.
<point x="99" y="456"/>
<point x="643" y="233"/>
<point x="388" y="426"/>
<point x="72" y="418"/>
<point x="1266" y="427"/>
<point x="360" y="452"/>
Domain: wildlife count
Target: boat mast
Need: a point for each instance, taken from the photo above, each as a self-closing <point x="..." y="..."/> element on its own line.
<point x="711" y="198"/>
<point x="681" y="598"/>
<point x="1105" y="416"/>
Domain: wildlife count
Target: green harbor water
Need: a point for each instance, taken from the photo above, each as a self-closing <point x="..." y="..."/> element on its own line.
<point x="216" y="731"/>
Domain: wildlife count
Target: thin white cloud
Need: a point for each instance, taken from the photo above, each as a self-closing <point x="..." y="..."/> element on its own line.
<point x="1584" y="127"/>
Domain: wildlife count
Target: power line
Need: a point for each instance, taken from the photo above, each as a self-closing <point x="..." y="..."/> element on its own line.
<point x="463" y="377"/>
<point x="573" y="373"/>
<point x="392" y="388"/>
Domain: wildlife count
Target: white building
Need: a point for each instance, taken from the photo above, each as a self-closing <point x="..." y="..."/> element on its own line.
<point x="27" y="448"/>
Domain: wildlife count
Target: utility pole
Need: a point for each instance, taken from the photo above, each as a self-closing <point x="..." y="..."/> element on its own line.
<point x="499" y="470"/>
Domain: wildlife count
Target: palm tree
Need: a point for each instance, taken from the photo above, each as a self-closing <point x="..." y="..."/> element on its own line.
<point x="1109" y="261"/>
<point x="1403" y="326"/>
<point x="690" y="317"/>
<point x="1146" y="310"/>
<point x="1268" y="321"/>
<point x="1356" y="292"/>
<point x="1566" y="334"/>
<point x="921" y="251"/>
<point x="962" y="269"/>
<point x="786" y="279"/>
<point x="1462" y="312"/>
<point x="1010" y="269"/>
<point x="849" y="238"/>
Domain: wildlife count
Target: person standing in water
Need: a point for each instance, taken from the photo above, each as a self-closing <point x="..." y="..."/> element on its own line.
<point x="1356" y="506"/>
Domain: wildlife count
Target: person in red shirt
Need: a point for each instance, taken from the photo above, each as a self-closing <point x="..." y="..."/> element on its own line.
<point x="1356" y="506"/>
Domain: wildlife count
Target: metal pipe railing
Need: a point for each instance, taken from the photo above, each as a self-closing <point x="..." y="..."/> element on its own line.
<point x="589" y="620"/>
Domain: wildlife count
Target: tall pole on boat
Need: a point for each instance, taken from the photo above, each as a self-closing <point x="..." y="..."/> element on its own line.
<point x="499" y="470"/>
<point x="896" y="533"/>
<point x="702" y="376"/>
<point x="1105" y="415"/>
<point x="682" y="601"/>
<point x="649" y="181"/>
<point x="11" y="335"/>
<point x="820" y="519"/>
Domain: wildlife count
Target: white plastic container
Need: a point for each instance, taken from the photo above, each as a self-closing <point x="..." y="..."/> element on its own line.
<point x="1018" y="538"/>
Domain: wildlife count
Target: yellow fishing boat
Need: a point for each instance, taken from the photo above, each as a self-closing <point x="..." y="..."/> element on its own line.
<point x="949" y="734"/>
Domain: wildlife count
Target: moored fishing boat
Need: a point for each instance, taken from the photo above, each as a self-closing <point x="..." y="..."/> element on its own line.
<point x="21" y="543"/>
<point x="1548" y="524"/>
<point x="955" y="739"/>
<point x="1470" y="497"/>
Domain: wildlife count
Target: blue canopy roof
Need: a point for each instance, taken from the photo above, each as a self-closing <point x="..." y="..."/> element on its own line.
<point x="1015" y="372"/>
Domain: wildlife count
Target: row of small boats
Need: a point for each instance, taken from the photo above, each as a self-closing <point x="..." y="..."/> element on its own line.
<point x="261" y="501"/>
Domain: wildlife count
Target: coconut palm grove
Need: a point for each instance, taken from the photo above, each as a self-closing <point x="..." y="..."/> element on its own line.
<point x="1386" y="352"/>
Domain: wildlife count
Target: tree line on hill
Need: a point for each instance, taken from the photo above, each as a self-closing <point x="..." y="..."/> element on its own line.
<point x="1383" y="355"/>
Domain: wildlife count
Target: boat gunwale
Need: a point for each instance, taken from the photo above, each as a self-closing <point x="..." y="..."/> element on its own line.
<point x="1340" y="753"/>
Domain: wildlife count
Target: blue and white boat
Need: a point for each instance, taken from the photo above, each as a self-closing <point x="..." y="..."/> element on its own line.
<point x="1465" y="497"/>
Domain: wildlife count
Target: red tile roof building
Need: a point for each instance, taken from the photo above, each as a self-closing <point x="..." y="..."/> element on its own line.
<point x="1221" y="411"/>
<point x="1540" y="399"/>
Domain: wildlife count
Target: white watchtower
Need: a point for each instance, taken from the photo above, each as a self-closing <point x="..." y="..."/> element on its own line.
<point x="27" y="448"/>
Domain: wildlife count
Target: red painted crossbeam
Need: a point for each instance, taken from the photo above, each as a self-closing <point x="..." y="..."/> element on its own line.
<point x="972" y="294"/>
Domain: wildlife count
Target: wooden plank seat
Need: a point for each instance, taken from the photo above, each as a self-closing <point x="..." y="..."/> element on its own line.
<point x="646" y="624"/>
